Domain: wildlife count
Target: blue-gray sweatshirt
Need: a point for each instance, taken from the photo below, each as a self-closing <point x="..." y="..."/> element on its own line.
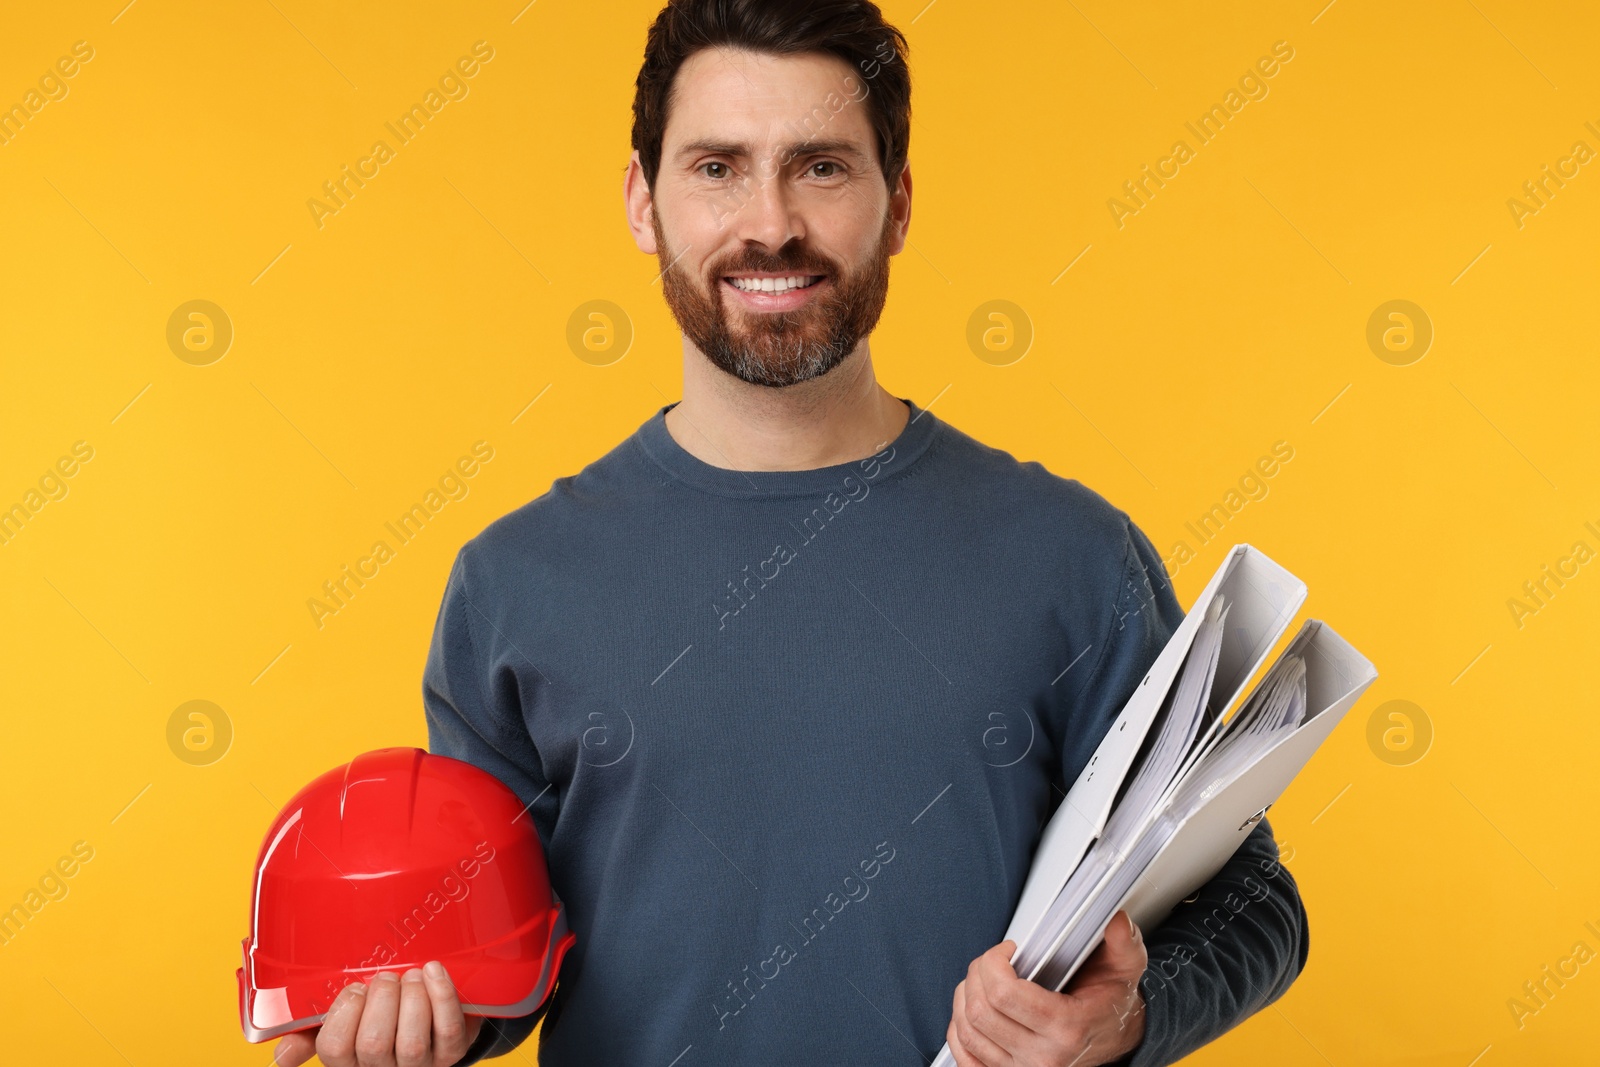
<point x="789" y="739"/>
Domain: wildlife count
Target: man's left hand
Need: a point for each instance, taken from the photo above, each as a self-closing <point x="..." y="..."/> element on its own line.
<point x="1000" y="1020"/>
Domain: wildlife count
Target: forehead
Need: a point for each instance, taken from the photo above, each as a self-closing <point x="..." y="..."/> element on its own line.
<point x="763" y="99"/>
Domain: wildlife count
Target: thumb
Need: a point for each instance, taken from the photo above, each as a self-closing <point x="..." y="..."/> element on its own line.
<point x="1128" y="939"/>
<point x="1121" y="947"/>
<point x="294" y="1049"/>
<point x="1119" y="958"/>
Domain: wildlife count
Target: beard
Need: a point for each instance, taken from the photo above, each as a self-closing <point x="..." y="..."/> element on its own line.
<point x="777" y="348"/>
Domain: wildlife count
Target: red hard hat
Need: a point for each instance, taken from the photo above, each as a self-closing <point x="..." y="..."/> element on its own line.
<point x="394" y="859"/>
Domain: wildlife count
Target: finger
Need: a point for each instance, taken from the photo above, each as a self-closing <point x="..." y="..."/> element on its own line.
<point x="951" y="1038"/>
<point x="989" y="1024"/>
<point x="375" y="1035"/>
<point x="451" y="1035"/>
<point x="336" y="1037"/>
<point x="1029" y="1006"/>
<point x="1120" y="958"/>
<point x="1126" y="935"/>
<point x="996" y="962"/>
<point x="294" y="1049"/>
<point x="1134" y="957"/>
<point x="958" y="1051"/>
<point x="413" y="1038"/>
<point x="970" y="1047"/>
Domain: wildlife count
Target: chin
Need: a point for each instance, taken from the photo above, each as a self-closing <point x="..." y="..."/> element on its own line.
<point x="780" y="369"/>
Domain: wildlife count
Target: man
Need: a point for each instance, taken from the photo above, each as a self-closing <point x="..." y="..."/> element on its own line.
<point x="792" y="677"/>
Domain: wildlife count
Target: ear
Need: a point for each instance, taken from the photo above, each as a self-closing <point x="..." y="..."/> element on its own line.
<point x="900" y="210"/>
<point x="640" y="205"/>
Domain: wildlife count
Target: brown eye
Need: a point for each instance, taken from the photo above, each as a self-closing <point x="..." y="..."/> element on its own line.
<point x="724" y="166"/>
<point x="826" y="163"/>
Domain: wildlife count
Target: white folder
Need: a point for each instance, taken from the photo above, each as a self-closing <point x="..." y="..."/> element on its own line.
<point x="1264" y="599"/>
<point x="1336" y="676"/>
<point x="1190" y="845"/>
<point x="1203" y="841"/>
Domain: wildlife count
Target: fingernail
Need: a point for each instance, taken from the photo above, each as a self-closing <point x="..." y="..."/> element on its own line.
<point x="434" y="969"/>
<point x="387" y="976"/>
<point x="359" y="988"/>
<point x="413" y="975"/>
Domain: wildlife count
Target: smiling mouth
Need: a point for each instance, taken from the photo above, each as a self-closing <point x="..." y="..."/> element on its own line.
<point x="778" y="284"/>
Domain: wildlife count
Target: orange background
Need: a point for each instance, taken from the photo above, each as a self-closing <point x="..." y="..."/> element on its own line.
<point x="1445" y="858"/>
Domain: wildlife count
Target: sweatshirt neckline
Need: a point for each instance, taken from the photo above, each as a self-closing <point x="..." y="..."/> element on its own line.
<point x="658" y="443"/>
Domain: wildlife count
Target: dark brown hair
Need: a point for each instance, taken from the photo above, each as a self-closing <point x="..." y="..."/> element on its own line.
<point x="852" y="30"/>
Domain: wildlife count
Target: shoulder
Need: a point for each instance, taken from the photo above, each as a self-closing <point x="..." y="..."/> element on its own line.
<point x="1054" y="511"/>
<point x="1089" y="555"/>
<point x="565" y="521"/>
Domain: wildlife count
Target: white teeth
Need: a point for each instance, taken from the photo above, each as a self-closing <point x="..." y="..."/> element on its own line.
<point x="772" y="285"/>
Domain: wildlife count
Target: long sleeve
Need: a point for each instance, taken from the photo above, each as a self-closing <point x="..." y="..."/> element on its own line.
<point x="475" y="715"/>
<point x="1237" y="944"/>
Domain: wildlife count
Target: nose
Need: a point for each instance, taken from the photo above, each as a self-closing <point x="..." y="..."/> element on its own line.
<point x="767" y="216"/>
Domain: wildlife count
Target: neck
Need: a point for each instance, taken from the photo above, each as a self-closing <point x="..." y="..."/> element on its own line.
<point x="843" y="416"/>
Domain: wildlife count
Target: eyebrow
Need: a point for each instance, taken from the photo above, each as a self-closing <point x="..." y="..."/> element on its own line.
<point x="789" y="151"/>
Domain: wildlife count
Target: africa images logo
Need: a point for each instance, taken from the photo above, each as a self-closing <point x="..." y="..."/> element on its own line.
<point x="400" y="931"/>
<point x="741" y="992"/>
<point x="740" y="594"/>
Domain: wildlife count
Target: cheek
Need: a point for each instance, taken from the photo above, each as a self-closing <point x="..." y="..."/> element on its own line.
<point x="867" y="238"/>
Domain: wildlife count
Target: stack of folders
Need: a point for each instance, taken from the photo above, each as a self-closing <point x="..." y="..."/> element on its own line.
<point x="1201" y="778"/>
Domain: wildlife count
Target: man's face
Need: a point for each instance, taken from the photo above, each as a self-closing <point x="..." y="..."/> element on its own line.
<point x="770" y="213"/>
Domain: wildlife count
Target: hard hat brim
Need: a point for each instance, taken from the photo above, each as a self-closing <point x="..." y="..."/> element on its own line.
<point x="267" y="1012"/>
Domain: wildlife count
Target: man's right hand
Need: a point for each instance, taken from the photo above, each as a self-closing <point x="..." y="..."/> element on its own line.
<point x="410" y="1020"/>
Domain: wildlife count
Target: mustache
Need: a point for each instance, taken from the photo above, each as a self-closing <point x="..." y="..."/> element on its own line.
<point x="799" y="262"/>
